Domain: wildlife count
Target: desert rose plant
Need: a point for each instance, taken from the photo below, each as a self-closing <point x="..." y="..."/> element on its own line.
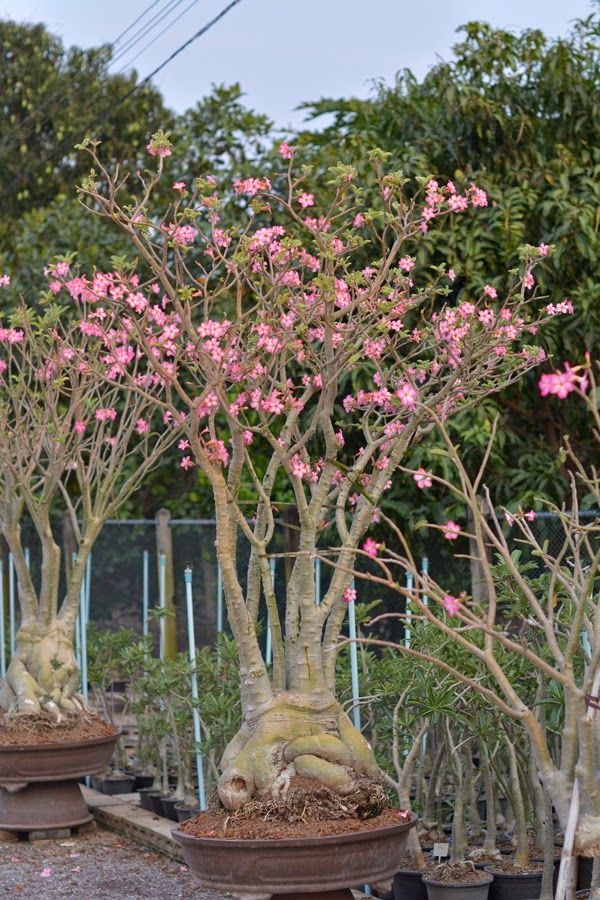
<point x="291" y="368"/>
<point x="68" y="440"/>
<point x="540" y="603"/>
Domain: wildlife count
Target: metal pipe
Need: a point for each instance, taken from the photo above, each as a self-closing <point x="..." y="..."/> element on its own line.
<point x="425" y="572"/>
<point x="2" y="624"/>
<point x="145" y="591"/>
<point x="269" y="647"/>
<point x="408" y="611"/>
<point x="194" y="684"/>
<point x="162" y="600"/>
<point x="318" y="582"/>
<point x="11" y="603"/>
<point x="354" y="663"/>
<point x="219" y="599"/>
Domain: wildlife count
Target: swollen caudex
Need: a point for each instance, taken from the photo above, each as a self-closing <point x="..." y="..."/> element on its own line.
<point x="288" y="739"/>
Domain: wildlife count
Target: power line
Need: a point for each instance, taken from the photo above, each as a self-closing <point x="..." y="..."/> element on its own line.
<point x="141" y="33"/>
<point x="135" y="21"/>
<point x="183" y="46"/>
<point x="59" y="94"/>
<point x="159" y="35"/>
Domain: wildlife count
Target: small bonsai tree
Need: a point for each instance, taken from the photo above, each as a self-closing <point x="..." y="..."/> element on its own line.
<point x="294" y="368"/>
<point x="70" y="440"/>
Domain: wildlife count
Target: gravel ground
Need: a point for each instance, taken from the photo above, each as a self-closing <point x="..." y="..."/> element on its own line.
<point x="100" y="866"/>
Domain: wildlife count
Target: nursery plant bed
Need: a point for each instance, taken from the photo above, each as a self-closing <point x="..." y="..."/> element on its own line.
<point x="269" y="858"/>
<point x="39" y="787"/>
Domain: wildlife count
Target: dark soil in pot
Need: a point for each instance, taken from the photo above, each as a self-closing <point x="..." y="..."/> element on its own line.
<point x="118" y="784"/>
<point x="169" y="808"/>
<point x="143" y="781"/>
<point x="43" y="729"/>
<point x="457" y="882"/>
<point x="186" y="812"/>
<point x="515" y="882"/>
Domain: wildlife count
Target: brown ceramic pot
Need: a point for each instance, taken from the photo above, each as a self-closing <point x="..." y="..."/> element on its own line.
<point x="295" y="866"/>
<point x="38" y="782"/>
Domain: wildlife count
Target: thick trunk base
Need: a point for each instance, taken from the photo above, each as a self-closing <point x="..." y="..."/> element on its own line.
<point x="293" y="736"/>
<point x="43" y="673"/>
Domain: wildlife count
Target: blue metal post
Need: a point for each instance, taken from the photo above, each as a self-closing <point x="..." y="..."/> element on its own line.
<point x="219" y="599"/>
<point x="408" y="611"/>
<point x="194" y="682"/>
<point x="354" y="664"/>
<point x="88" y="588"/>
<point x="2" y="624"/>
<point x="425" y="571"/>
<point x="162" y="599"/>
<point x="269" y="647"/>
<point x="318" y="582"/>
<point x="145" y="591"/>
<point x="83" y="627"/>
<point x="11" y="603"/>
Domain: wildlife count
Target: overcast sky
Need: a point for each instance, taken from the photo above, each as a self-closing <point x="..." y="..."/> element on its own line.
<point x="286" y="51"/>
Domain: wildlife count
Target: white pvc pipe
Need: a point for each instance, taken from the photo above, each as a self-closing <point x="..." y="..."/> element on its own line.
<point x="145" y="591"/>
<point x="88" y="588"/>
<point x="194" y="684"/>
<point x="2" y="624"/>
<point x="77" y="624"/>
<point x="354" y="664"/>
<point x="162" y="600"/>
<point x="27" y="554"/>
<point x="11" y="603"/>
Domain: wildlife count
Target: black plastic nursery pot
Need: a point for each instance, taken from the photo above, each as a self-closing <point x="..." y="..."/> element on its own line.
<point x="169" y="810"/>
<point x="474" y="890"/>
<point x="143" y="781"/>
<point x="515" y="886"/>
<point x="584" y="872"/>
<point x="143" y="794"/>
<point x="118" y="784"/>
<point x="184" y="812"/>
<point x="408" y="885"/>
<point x="155" y="802"/>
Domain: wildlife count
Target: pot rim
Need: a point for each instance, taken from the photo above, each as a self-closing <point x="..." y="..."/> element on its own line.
<point x="503" y="874"/>
<point x="58" y="745"/>
<point x="461" y="884"/>
<point x="184" y="838"/>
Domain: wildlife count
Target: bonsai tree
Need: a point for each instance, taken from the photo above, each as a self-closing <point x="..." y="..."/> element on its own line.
<point x="295" y="376"/>
<point x="540" y="605"/>
<point x="70" y="440"/>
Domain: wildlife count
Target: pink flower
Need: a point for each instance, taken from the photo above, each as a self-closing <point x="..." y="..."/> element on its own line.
<point x="142" y="426"/>
<point x="528" y="280"/>
<point x="451" y="274"/>
<point x="423" y="479"/>
<point x="183" y="444"/>
<point x="562" y="383"/>
<point x="179" y="186"/>
<point x="105" y="414"/>
<point x="451" y="604"/>
<point x="451" y="531"/>
<point x="407" y="395"/>
<point x="543" y="249"/>
<point x="370" y="548"/>
<point x="406" y="264"/>
<point x="531" y="515"/>
<point x="184" y="234"/>
<point x="247" y="438"/>
<point x="509" y="519"/>
<point x="305" y="200"/>
<point x="490" y="291"/>
<point x="187" y="462"/>
<point x="285" y="151"/>
<point x="4" y="280"/>
<point x="478" y="197"/>
<point x="359" y="220"/>
<point x="349" y="595"/>
<point x="79" y="426"/>
<point x="159" y="145"/>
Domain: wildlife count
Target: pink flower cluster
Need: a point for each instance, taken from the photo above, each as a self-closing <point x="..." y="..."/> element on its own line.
<point x="252" y="186"/>
<point x="562" y="383"/>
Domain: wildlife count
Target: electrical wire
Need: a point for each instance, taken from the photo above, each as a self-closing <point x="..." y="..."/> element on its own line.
<point x="59" y="94"/>
<point x="159" y="35"/>
<point x="150" y="26"/>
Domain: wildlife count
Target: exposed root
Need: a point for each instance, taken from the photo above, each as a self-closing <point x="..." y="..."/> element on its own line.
<point x="308" y="801"/>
